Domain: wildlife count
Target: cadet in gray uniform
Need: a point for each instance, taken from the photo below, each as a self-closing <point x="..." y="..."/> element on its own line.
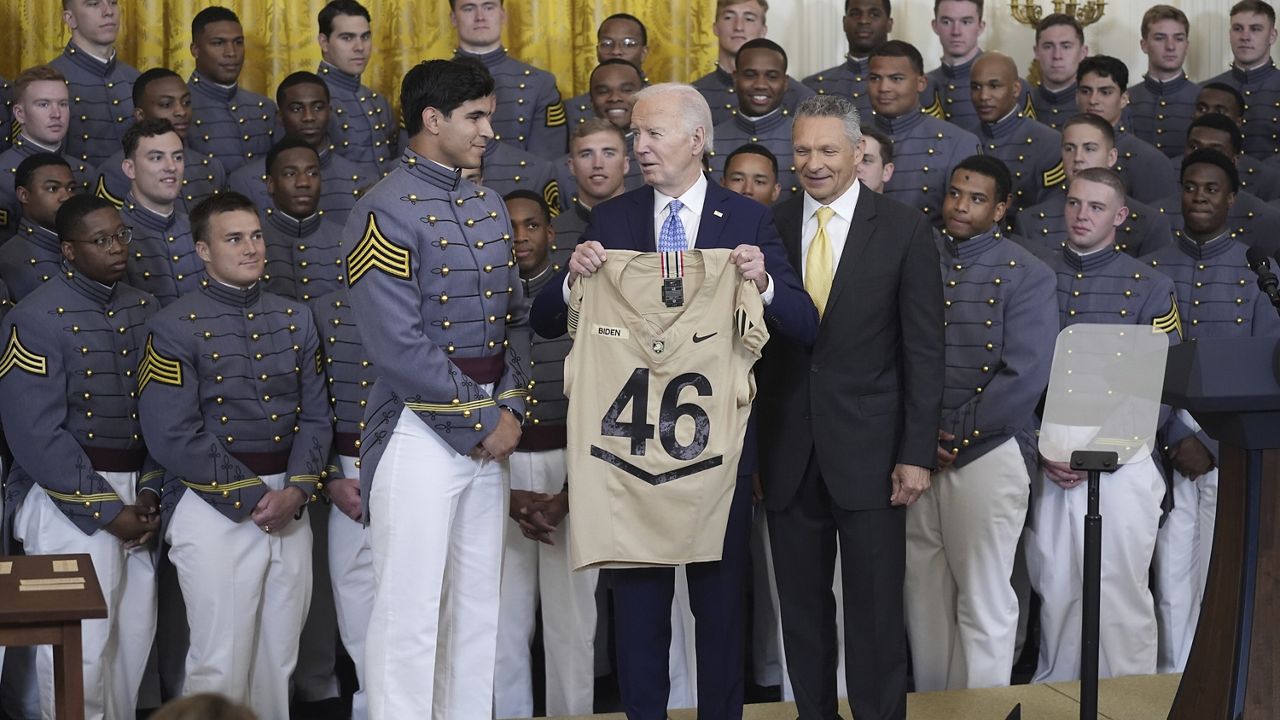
<point x="99" y="83"/>
<point x="760" y="78"/>
<point x="1218" y="297"/>
<point x="508" y="168"/>
<point x="529" y="113"/>
<point x="924" y="147"/>
<point x="752" y="171"/>
<point x="1259" y="178"/>
<point x="1252" y="220"/>
<point x="232" y="400"/>
<point x="599" y="164"/>
<point x="738" y="21"/>
<point x="1100" y="90"/>
<point x="33" y="256"/>
<point x="1032" y="151"/>
<point x="962" y="536"/>
<point x="866" y="26"/>
<point x="160" y="94"/>
<point x="304" y="112"/>
<point x="361" y="126"/>
<point x="614" y="84"/>
<point x="304" y="245"/>
<point x="81" y="471"/>
<point x="162" y="259"/>
<point x="1060" y="48"/>
<point x="1253" y="34"/>
<point x="958" y="23"/>
<point x="231" y="123"/>
<point x="1088" y="141"/>
<point x="1096" y="284"/>
<point x="41" y="105"/>
<point x="621" y="37"/>
<point x="1160" y="106"/>
<point x="435" y="286"/>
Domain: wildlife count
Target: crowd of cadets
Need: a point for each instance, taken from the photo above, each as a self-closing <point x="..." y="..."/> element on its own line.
<point x="141" y="210"/>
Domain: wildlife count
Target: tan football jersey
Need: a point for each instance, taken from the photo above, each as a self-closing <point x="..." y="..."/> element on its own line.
<point x="660" y="387"/>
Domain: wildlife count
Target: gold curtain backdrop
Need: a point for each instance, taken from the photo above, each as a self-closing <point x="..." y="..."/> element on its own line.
<point x="556" y="35"/>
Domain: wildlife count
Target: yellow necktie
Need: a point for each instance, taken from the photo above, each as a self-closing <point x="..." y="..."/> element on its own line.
<point x="817" y="263"/>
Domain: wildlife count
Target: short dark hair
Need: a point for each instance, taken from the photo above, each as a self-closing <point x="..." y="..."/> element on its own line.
<point x="522" y="194"/>
<point x="1233" y="92"/>
<point x="762" y="44"/>
<point x="1255" y="6"/>
<point x="443" y="85"/>
<point x="208" y="16"/>
<point x="1157" y="13"/>
<point x="754" y="149"/>
<point x="150" y="127"/>
<point x="148" y="77"/>
<point x="1094" y="122"/>
<point x="988" y="166"/>
<point x="1206" y="156"/>
<point x="71" y="213"/>
<point x="888" y="8"/>
<point x="334" y="8"/>
<point x="1104" y="66"/>
<point x="26" y="171"/>
<point x="1055" y="19"/>
<point x="301" y="77"/>
<point x="616" y="61"/>
<point x="223" y="202"/>
<point x="902" y="49"/>
<point x="886" y="143"/>
<point x="936" y="3"/>
<point x="644" y="31"/>
<point x="284" y="146"/>
<point x="1222" y="123"/>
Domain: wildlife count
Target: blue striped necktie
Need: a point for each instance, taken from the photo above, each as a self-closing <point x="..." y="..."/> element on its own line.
<point x="672" y="238"/>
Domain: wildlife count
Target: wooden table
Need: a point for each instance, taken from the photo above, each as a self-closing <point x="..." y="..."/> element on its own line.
<point x="41" y="603"/>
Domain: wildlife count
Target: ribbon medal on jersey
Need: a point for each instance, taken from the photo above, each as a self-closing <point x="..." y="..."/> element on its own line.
<point x="673" y="279"/>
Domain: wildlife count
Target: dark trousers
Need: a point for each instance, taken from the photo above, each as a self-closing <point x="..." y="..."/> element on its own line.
<point x="803" y="537"/>
<point x="642" y="625"/>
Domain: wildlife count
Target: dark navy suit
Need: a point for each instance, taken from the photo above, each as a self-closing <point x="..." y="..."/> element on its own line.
<point x="642" y="597"/>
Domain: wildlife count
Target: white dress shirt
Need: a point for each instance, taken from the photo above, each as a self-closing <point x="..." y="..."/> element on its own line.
<point x="837" y="226"/>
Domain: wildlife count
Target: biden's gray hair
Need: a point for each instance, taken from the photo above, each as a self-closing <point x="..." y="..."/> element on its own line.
<point x="834" y="106"/>
<point x="694" y="111"/>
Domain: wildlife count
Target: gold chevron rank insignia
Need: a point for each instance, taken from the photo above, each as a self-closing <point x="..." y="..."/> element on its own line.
<point x="551" y="193"/>
<point x="17" y="356"/>
<point x="556" y="115"/>
<point x="376" y="252"/>
<point x="159" y="368"/>
<point x="1055" y="176"/>
<point x="936" y="108"/>
<point x="1030" y="110"/>
<point x="102" y="192"/>
<point x="1170" y="321"/>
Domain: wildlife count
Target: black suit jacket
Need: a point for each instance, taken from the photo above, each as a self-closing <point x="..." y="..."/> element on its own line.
<point x="728" y="220"/>
<point x="868" y="394"/>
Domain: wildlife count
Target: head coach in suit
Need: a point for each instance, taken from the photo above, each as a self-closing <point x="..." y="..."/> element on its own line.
<point x="852" y="420"/>
<point x="678" y="209"/>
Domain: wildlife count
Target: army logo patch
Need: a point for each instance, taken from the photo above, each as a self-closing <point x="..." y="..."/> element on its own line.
<point x="1055" y="176"/>
<point x="556" y="115"/>
<point x="155" y="366"/>
<point x="551" y="194"/>
<point x="936" y="108"/>
<point x="376" y="252"/>
<point x="1170" y="321"/>
<point x="15" y="355"/>
<point x="101" y="191"/>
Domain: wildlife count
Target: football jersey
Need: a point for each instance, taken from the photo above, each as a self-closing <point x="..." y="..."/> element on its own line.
<point x="660" y="386"/>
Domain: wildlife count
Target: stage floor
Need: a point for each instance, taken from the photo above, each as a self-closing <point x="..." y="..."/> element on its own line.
<point x="1131" y="698"/>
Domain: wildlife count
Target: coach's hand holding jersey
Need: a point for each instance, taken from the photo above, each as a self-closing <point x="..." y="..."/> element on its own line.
<point x="852" y="420"/>
<point x="679" y="210"/>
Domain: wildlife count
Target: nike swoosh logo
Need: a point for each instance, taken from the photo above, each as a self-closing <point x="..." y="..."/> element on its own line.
<point x="698" y="339"/>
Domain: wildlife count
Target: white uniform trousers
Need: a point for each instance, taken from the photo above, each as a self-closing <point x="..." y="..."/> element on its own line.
<point x="962" y="536"/>
<point x="247" y="594"/>
<point x="1183" y="548"/>
<point x="351" y="572"/>
<point x="116" y="648"/>
<point x="436" y="533"/>
<point x="534" y="573"/>
<point x="1129" y="503"/>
